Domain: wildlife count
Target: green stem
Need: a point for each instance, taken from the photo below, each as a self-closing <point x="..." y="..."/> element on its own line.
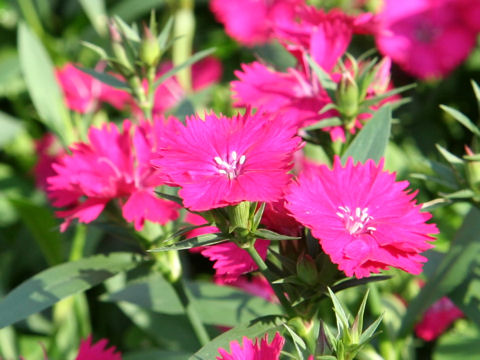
<point x="197" y="324"/>
<point x="184" y="30"/>
<point x="78" y="245"/>
<point x="268" y="275"/>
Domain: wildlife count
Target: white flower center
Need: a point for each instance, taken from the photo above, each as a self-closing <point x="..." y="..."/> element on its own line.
<point x="231" y="166"/>
<point x="356" y="222"/>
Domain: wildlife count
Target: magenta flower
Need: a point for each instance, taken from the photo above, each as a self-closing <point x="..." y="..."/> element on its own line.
<point x="98" y="351"/>
<point x="254" y="351"/>
<point x="427" y="38"/>
<point x="364" y="220"/>
<point x="437" y="319"/>
<point x="236" y="16"/>
<point x="223" y="161"/>
<point x="83" y="93"/>
<point x="112" y="165"/>
<point x="48" y="150"/>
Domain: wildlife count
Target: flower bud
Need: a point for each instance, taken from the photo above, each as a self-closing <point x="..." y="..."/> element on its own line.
<point x="307" y="269"/>
<point x="347" y="96"/>
<point x="239" y="216"/>
<point x="150" y="51"/>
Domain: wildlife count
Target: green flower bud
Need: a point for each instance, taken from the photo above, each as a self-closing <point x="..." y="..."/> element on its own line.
<point x="307" y="269"/>
<point x="347" y="96"/>
<point x="239" y="216"/>
<point x="150" y="51"/>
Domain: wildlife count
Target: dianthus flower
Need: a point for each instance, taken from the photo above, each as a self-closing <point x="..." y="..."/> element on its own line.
<point x="83" y="92"/>
<point x="112" y="165"/>
<point x="437" y="319"/>
<point x="223" y="161"/>
<point x="364" y="220"/>
<point x="98" y="351"/>
<point x="48" y="150"/>
<point x="260" y="350"/>
<point x="236" y="16"/>
<point x="428" y="38"/>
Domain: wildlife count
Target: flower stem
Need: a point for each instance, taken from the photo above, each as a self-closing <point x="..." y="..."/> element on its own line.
<point x="185" y="298"/>
<point x="268" y="275"/>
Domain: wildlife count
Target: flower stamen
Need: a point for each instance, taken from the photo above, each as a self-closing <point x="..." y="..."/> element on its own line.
<point x="356" y="222"/>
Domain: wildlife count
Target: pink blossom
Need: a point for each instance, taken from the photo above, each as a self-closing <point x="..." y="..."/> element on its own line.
<point x="98" y="351"/>
<point x="112" y="165"/>
<point x="256" y="285"/>
<point x="48" y="150"/>
<point x="223" y="161"/>
<point x="437" y="319"/>
<point x="364" y="220"/>
<point x="278" y="219"/>
<point x="83" y="93"/>
<point x="427" y="38"/>
<point x="260" y="350"/>
<point x="236" y="16"/>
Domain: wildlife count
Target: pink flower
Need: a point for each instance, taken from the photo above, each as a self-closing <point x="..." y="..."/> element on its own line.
<point x="257" y="285"/>
<point x="49" y="150"/>
<point x="427" y="38"/>
<point x="112" y="165"/>
<point x="278" y="219"/>
<point x="254" y="351"/>
<point x="364" y="220"/>
<point x="98" y="351"/>
<point x="83" y="93"/>
<point x="437" y="319"/>
<point x="236" y="16"/>
<point x="223" y="161"/>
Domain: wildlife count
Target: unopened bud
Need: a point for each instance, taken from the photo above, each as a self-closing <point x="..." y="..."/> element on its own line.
<point x="239" y="215"/>
<point x="114" y="33"/>
<point x="347" y="96"/>
<point x="307" y="269"/>
<point x="150" y="51"/>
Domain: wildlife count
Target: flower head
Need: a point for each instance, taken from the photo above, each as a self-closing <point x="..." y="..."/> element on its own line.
<point x="223" y="161"/>
<point x="260" y="350"/>
<point x="112" y="165"/>
<point x="98" y="351"/>
<point x="437" y="319"/>
<point x="427" y="38"/>
<point x="364" y="220"/>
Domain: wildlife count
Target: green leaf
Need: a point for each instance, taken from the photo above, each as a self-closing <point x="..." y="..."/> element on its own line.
<point x="44" y="228"/>
<point x="165" y="34"/>
<point x="56" y="283"/>
<point x="216" y="305"/>
<point x="377" y="99"/>
<point x="327" y="83"/>
<point x="297" y="341"/>
<point x="202" y="240"/>
<point x="342" y="318"/>
<point x="476" y="90"/>
<point x="462" y="119"/>
<point x="450" y="272"/>
<point x="10" y="128"/>
<point x="97" y="14"/>
<point x="460" y="344"/>
<point x="106" y="78"/>
<point x="369" y="333"/>
<point x="252" y="330"/>
<point x="192" y="60"/>
<point x="156" y="355"/>
<point x="128" y="31"/>
<point x="174" y="198"/>
<point x="333" y="121"/>
<point x="371" y="142"/>
<point x="97" y="49"/>
<point x="130" y="10"/>
<point x="454" y="160"/>
<point x="42" y="86"/>
<point x="271" y="235"/>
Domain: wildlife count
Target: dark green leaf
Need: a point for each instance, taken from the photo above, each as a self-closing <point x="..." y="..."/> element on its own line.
<point x="202" y="240"/>
<point x="54" y="284"/>
<point x="170" y="197"/>
<point x="254" y="329"/>
<point x="106" y="78"/>
<point x="130" y="10"/>
<point x="451" y="271"/>
<point x="461" y="344"/>
<point x="271" y="235"/>
<point x="462" y="119"/>
<point x="44" y="228"/>
<point x="333" y="121"/>
<point x="372" y="140"/>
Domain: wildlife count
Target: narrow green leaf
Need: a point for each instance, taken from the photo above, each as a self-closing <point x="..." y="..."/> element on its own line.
<point x="202" y="240"/>
<point x="254" y="329"/>
<point x="44" y="228"/>
<point x="460" y="194"/>
<point x="42" y="86"/>
<point x="56" y="283"/>
<point x="461" y="118"/>
<point x="342" y="319"/>
<point x="97" y="49"/>
<point x="97" y="14"/>
<point x="333" y="121"/>
<point x="476" y="90"/>
<point x="258" y="216"/>
<point x="192" y="60"/>
<point x="371" y="142"/>
<point x="450" y="272"/>
<point x="454" y="160"/>
<point x="185" y="230"/>
<point x="174" y="198"/>
<point x="106" y="78"/>
<point x="358" y="322"/>
<point x="271" y="235"/>
<point x="297" y="342"/>
<point x="127" y="31"/>
<point x="10" y="128"/>
<point x="324" y="78"/>
<point x="378" y="98"/>
<point x="130" y="10"/>
<point x="165" y="34"/>
<point x="370" y="331"/>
